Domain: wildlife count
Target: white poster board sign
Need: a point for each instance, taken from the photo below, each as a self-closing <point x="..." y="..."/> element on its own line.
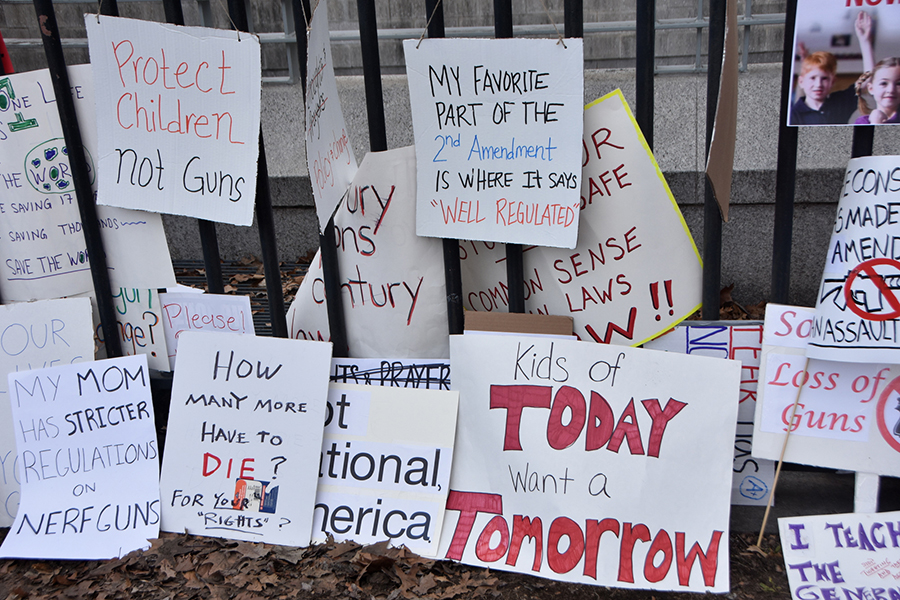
<point x="178" y="115"/>
<point x="89" y="462"/>
<point x="329" y="153"/>
<point x="411" y="373"/>
<point x="42" y="243"/>
<point x="846" y="414"/>
<point x="243" y="440"/>
<point x="392" y="281"/>
<point x="858" y="307"/>
<point x="140" y="326"/>
<point x="753" y="478"/>
<point x="842" y="556"/>
<point x="397" y="445"/>
<point x="189" y="311"/>
<point x="625" y="453"/>
<point x="35" y="335"/>
<point x="497" y="124"/>
<point x="635" y="272"/>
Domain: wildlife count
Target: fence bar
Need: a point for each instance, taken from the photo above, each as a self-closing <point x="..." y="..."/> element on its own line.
<point x="237" y="10"/>
<point x="786" y="172"/>
<point x="368" y="40"/>
<point x="515" y="268"/>
<point x="712" y="220"/>
<point x="2" y="73"/>
<point x="109" y="8"/>
<point x="863" y="140"/>
<point x="87" y="208"/>
<point x="645" y="48"/>
<point x="434" y="12"/>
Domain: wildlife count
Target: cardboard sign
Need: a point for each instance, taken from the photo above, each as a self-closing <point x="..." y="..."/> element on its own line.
<point x="392" y="281"/>
<point x="846" y="414"/>
<point x="842" y="556"/>
<point x="88" y="461"/>
<point x="753" y="478"/>
<point x="858" y="307"/>
<point x="635" y="272"/>
<point x="178" y="117"/>
<point x="497" y="124"/>
<point x="244" y="438"/>
<point x="139" y="316"/>
<point x="417" y="374"/>
<point x="384" y="470"/>
<point x="42" y="240"/>
<point x="597" y="444"/>
<point x="35" y="335"/>
<point x="329" y="153"/>
<point x="189" y="311"/>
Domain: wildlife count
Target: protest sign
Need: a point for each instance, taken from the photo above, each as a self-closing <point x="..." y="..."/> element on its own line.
<point x="838" y="45"/>
<point x="497" y="124"/>
<point x="180" y="109"/>
<point x="753" y="478"/>
<point x="635" y="272"/>
<point x="564" y="439"/>
<point x="140" y="326"/>
<point x="35" y="335"/>
<point x="846" y="413"/>
<point x="329" y="153"/>
<point x="189" y="311"/>
<point x="858" y="307"/>
<point x="420" y="374"/>
<point x="842" y="556"/>
<point x="244" y="437"/>
<point x="88" y="461"/>
<point x="42" y="243"/>
<point x="392" y="281"/>
<point x="384" y="470"/>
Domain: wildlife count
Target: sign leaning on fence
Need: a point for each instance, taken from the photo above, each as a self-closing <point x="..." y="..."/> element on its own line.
<point x="243" y="442"/>
<point x="497" y="126"/>
<point x="858" y="306"/>
<point x="35" y="335"/>
<point x="842" y="556"/>
<point x="598" y="444"/>
<point x="44" y="254"/>
<point x="89" y="462"/>
<point x="846" y="414"/>
<point x="178" y="115"/>
<point x="329" y="153"/>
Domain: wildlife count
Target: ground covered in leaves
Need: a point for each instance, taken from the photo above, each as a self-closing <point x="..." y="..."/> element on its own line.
<point x="185" y="567"/>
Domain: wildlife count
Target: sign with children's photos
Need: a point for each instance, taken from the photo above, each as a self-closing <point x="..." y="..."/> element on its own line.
<point x="858" y="306"/>
<point x="243" y="439"/>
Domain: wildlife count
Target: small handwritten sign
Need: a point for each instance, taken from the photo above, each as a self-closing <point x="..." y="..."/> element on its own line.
<point x="244" y="437"/>
<point x="497" y="125"/>
<point x="189" y="311"/>
<point x="178" y="117"/>
<point x="398" y="447"/>
<point x="140" y="326"/>
<point x="88" y="460"/>
<point x="409" y="373"/>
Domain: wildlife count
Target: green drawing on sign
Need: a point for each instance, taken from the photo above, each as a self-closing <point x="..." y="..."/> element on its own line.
<point x="7" y="95"/>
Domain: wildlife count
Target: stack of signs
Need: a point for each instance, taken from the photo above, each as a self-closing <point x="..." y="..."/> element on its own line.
<point x="329" y="154"/>
<point x="393" y="286"/>
<point x="43" y="245"/>
<point x="858" y="308"/>
<point x="497" y="124"/>
<point x="846" y="415"/>
<point x="243" y="440"/>
<point x="384" y="470"/>
<point x="35" y="335"/>
<point x="591" y="463"/>
<point x="842" y="556"/>
<point x="189" y="311"/>
<point x="88" y="460"/>
<point x="180" y="126"/>
<point x="738" y="340"/>
<point x="635" y="272"/>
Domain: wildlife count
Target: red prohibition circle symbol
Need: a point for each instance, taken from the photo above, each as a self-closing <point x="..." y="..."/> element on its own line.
<point x="893" y="386"/>
<point x="868" y="267"/>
